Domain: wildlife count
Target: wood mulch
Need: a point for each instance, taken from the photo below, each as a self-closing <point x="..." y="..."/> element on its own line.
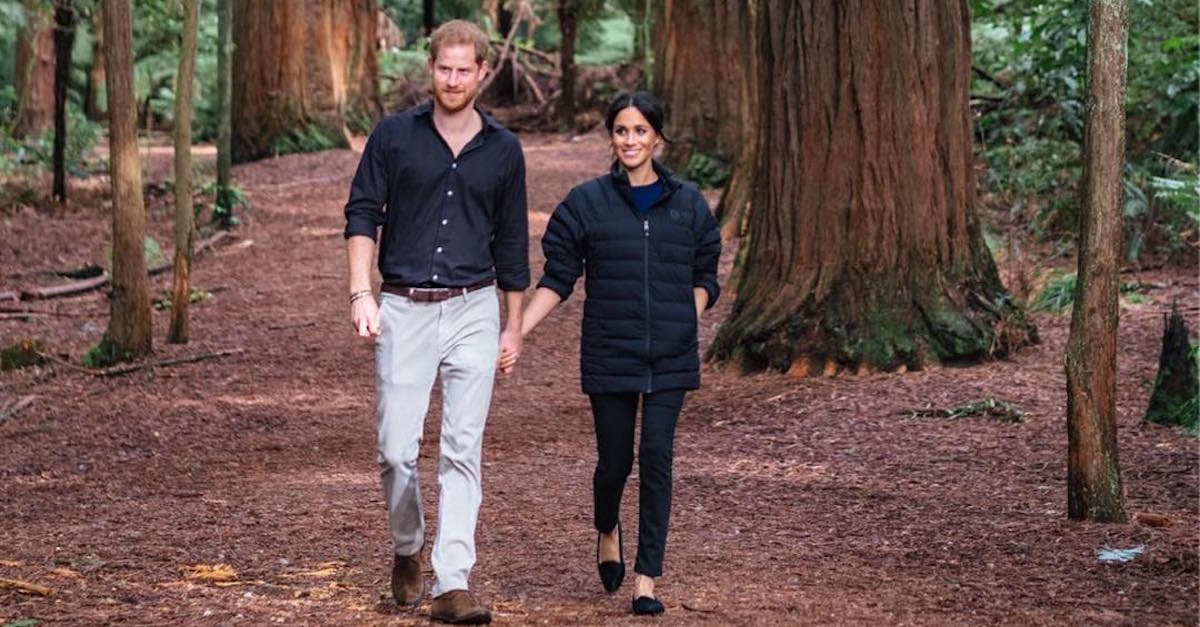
<point x="244" y="488"/>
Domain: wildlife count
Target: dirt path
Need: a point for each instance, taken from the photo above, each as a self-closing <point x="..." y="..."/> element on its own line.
<point x="797" y="501"/>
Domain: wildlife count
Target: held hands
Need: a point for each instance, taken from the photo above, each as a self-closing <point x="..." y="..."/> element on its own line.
<point x="510" y="351"/>
<point x="364" y="315"/>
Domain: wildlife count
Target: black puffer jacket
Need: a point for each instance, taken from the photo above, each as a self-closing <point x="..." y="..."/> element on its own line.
<point x="639" y="316"/>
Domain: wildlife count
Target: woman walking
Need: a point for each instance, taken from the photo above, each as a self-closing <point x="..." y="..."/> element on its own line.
<point x="649" y="247"/>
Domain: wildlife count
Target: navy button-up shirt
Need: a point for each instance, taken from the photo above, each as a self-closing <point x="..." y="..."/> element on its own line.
<point x="447" y="221"/>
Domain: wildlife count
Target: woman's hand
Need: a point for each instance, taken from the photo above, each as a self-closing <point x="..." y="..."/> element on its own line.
<point x="701" y="296"/>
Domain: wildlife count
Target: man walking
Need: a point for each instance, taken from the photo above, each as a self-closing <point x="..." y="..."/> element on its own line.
<point x="447" y="185"/>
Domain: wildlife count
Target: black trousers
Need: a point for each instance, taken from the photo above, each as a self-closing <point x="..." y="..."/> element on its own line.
<point x="615" y="416"/>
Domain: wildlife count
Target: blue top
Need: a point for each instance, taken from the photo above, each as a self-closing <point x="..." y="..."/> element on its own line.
<point x="646" y="195"/>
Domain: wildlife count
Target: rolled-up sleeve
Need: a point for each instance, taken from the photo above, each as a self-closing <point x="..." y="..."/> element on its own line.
<point x="368" y="190"/>
<point x="563" y="247"/>
<point x="510" y="245"/>
<point x="708" y="251"/>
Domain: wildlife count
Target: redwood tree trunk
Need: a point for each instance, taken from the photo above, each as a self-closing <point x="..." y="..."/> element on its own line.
<point x="1094" y="488"/>
<point x="184" y="218"/>
<point x="64" y="41"/>
<point x="707" y="78"/>
<point x="34" y="73"/>
<point x="567" y="27"/>
<point x="129" y="325"/>
<point x="865" y="252"/>
<point x="306" y="71"/>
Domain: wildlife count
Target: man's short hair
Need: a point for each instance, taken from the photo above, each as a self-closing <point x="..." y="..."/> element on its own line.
<point x="459" y="32"/>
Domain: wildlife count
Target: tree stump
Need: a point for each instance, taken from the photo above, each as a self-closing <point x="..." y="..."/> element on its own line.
<point x="1173" y="400"/>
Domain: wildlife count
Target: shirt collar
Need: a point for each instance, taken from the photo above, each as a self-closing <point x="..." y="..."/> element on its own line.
<point x="489" y="123"/>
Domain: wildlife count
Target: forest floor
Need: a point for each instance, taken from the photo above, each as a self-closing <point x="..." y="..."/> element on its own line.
<point x="797" y="501"/>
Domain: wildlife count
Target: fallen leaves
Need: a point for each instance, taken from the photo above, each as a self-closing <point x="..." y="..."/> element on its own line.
<point x="24" y="587"/>
<point x="213" y="573"/>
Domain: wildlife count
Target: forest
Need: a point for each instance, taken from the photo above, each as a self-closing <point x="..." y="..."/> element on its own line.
<point x="953" y="375"/>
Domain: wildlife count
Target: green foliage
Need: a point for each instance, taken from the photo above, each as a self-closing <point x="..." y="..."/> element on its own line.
<point x="151" y="252"/>
<point x="407" y="14"/>
<point x="1029" y="89"/>
<point x="1057" y="295"/>
<point x="223" y="203"/>
<point x="605" y="40"/>
<point x="34" y="153"/>
<point x="195" y="296"/>
<point x="105" y="354"/>
<point x="706" y="170"/>
<point x="27" y="352"/>
<point x="309" y="138"/>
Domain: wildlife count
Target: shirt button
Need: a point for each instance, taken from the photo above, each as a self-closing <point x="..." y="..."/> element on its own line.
<point x="439" y="249"/>
<point x="453" y="166"/>
<point x="449" y="192"/>
<point x="435" y="277"/>
<point x="444" y="222"/>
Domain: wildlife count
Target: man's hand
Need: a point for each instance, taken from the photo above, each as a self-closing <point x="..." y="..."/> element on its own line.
<point x="510" y="351"/>
<point x="364" y="315"/>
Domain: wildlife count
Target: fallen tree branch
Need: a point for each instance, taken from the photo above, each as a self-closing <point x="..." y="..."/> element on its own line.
<point x="11" y="409"/>
<point x="24" y="587"/>
<point x="87" y="285"/>
<point x="128" y="368"/>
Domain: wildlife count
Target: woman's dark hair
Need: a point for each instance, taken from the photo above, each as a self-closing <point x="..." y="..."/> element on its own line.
<point x="645" y="103"/>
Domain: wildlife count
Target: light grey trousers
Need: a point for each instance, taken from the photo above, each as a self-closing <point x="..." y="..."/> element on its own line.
<point x="457" y="339"/>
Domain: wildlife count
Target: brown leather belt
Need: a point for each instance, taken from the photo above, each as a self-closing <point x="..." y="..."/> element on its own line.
<point x="432" y="294"/>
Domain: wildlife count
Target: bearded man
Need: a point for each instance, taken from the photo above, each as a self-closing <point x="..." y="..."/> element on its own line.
<point x="445" y="183"/>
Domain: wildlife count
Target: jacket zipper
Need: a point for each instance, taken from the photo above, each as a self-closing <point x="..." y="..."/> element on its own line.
<point x="646" y="283"/>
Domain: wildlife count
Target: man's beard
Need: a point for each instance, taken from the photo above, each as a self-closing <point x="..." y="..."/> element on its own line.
<point x="455" y="101"/>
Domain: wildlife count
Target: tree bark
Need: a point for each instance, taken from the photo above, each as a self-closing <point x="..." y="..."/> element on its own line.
<point x="34" y="73"/>
<point x="707" y="78"/>
<point x="567" y="29"/>
<point x="129" y="326"/>
<point x="64" y="41"/>
<point x="306" y="71"/>
<point x="864" y="248"/>
<point x="223" y="205"/>
<point x="93" y="103"/>
<point x="185" y="230"/>
<point x="1094" y="489"/>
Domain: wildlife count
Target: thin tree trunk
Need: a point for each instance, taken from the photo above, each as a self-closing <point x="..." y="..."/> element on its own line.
<point x="864" y="249"/>
<point x="34" y="73"/>
<point x="567" y="28"/>
<point x="184" y="218"/>
<point x="223" y="210"/>
<point x="129" y="326"/>
<point x="92" y="104"/>
<point x="64" y="41"/>
<point x="1094" y="489"/>
<point x="427" y="21"/>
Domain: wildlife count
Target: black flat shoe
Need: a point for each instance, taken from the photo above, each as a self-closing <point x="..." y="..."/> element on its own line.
<point x="647" y="606"/>
<point x="611" y="573"/>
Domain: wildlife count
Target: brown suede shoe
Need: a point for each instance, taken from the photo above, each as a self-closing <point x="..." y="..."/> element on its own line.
<point x="408" y="586"/>
<point x="459" y="607"/>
